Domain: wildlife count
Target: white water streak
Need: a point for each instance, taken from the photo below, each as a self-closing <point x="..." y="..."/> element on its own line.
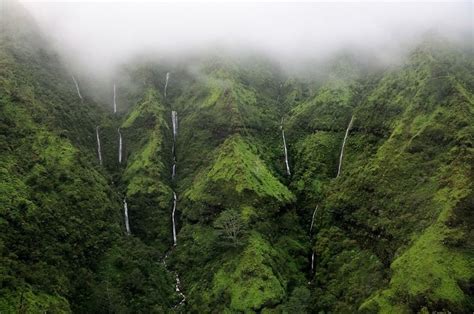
<point x="125" y="209"/>
<point x="312" y="219"/>
<point x="312" y="262"/>
<point x="77" y="87"/>
<point x="285" y="149"/>
<point x="178" y="290"/>
<point x="115" y="103"/>
<point x="120" y="146"/>
<point x="173" y="218"/>
<point x="343" y="145"/>
<point x="166" y="83"/>
<point x="98" y="144"/>
<point x="174" y="120"/>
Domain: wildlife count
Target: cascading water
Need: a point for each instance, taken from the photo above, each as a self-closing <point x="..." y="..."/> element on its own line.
<point x="166" y="83"/>
<point x="285" y="149"/>
<point x="125" y="211"/>
<point x="343" y="145"/>
<point x="173" y="218"/>
<point x="120" y="146"/>
<point x="98" y="144"/>
<point x="77" y="87"/>
<point x="178" y="290"/>
<point x="174" y="121"/>
<point x="115" y="103"/>
<point x="311" y="237"/>
<point x="312" y="219"/>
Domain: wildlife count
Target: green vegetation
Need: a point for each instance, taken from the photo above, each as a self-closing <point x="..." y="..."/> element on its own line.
<point x="237" y="171"/>
<point x="392" y="234"/>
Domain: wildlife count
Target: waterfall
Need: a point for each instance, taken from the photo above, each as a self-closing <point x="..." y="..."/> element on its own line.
<point x="343" y="145"/>
<point x="177" y="281"/>
<point x="115" y="104"/>
<point x="285" y="149"/>
<point x="166" y="83"/>
<point x="98" y="144"/>
<point x="312" y="262"/>
<point x="174" y="121"/>
<point x="178" y="290"/>
<point x="125" y="210"/>
<point x="173" y="219"/>
<point x="312" y="219"/>
<point x="77" y="87"/>
<point x="120" y="146"/>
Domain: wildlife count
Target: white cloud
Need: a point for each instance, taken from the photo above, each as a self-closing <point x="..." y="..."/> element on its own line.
<point x="102" y="34"/>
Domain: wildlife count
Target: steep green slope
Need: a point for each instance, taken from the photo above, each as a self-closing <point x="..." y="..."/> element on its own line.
<point x="145" y="175"/>
<point x="57" y="209"/>
<point x="62" y="244"/>
<point x="408" y="164"/>
<point x="221" y="179"/>
<point x="392" y="231"/>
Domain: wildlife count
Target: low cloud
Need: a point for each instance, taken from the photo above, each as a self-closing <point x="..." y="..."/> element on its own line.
<point x="99" y="36"/>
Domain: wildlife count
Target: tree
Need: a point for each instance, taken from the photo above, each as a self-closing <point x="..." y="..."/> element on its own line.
<point x="230" y="226"/>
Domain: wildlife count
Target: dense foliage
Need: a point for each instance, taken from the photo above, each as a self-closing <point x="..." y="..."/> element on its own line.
<point x="392" y="233"/>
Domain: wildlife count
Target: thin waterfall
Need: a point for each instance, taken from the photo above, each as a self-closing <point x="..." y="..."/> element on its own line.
<point x="311" y="229"/>
<point x="173" y="218"/>
<point x="343" y="145"/>
<point x="174" y="121"/>
<point x="178" y="290"/>
<point x="285" y="149"/>
<point x="115" y="103"/>
<point x="125" y="210"/>
<point x="98" y="144"/>
<point x="177" y="281"/>
<point x="312" y="219"/>
<point x="166" y="83"/>
<point x="77" y="87"/>
<point x="120" y="146"/>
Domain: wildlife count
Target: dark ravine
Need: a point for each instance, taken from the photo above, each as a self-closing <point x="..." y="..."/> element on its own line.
<point x="381" y="176"/>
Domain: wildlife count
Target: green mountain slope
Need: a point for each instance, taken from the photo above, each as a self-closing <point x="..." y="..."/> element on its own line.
<point x="392" y="230"/>
<point x="396" y="201"/>
<point x="62" y="239"/>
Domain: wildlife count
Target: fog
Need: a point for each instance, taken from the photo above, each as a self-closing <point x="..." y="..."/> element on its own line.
<point x="97" y="36"/>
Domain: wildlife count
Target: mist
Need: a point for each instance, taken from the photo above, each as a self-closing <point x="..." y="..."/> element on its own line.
<point x="97" y="37"/>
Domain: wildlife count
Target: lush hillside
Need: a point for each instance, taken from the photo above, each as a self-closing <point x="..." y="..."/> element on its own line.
<point x="62" y="240"/>
<point x="385" y="228"/>
<point x="407" y="170"/>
